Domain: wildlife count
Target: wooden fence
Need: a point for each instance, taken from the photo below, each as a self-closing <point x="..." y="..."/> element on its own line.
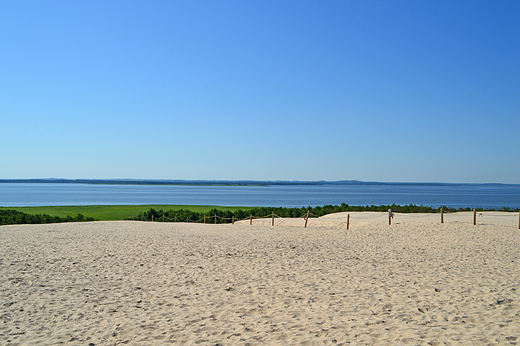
<point x="305" y="217"/>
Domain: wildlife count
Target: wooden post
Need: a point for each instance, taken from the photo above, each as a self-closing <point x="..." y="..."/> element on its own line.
<point x="175" y="218"/>
<point x="272" y="216"/>
<point x="204" y="219"/>
<point x="187" y="219"/>
<point x="519" y="220"/>
<point x="442" y="215"/>
<point x="133" y="217"/>
<point x="348" y="220"/>
<point x="474" y="216"/>
<point x="307" y="218"/>
<point x="152" y="217"/>
<point x="162" y="217"/>
<point x="390" y="214"/>
<point x="233" y="219"/>
<point x="215" y="219"/>
<point x="250" y="219"/>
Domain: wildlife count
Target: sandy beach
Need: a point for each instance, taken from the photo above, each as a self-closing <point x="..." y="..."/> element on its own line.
<point x="415" y="282"/>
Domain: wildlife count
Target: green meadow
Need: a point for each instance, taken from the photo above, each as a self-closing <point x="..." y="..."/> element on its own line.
<point x="112" y="212"/>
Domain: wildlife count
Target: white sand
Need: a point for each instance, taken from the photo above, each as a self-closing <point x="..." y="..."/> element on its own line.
<point x="416" y="282"/>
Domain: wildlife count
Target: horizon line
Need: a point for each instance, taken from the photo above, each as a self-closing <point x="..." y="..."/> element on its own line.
<point x="228" y="182"/>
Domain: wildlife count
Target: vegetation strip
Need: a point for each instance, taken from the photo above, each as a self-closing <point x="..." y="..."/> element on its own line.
<point x="11" y="217"/>
<point x="110" y="212"/>
<point x="179" y="213"/>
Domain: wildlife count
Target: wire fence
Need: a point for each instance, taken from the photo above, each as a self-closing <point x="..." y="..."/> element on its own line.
<point x="208" y="219"/>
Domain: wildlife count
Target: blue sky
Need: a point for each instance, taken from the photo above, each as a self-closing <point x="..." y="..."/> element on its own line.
<point x="420" y="91"/>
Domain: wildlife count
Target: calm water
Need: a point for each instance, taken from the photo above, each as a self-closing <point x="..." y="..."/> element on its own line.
<point x="45" y="194"/>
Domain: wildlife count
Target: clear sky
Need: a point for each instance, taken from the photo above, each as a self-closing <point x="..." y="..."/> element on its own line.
<point x="419" y="91"/>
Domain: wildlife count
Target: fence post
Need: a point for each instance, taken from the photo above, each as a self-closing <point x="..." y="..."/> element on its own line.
<point x="250" y="219"/>
<point x="175" y="218"/>
<point x="187" y="219"/>
<point x="307" y="218"/>
<point x="152" y="217"/>
<point x="442" y="215"/>
<point x="390" y="215"/>
<point x="204" y="219"/>
<point x="474" y="216"/>
<point x="272" y="216"/>
<point x="162" y="217"/>
<point x="233" y="219"/>
<point x="348" y="220"/>
<point x="133" y="217"/>
<point x="215" y="219"/>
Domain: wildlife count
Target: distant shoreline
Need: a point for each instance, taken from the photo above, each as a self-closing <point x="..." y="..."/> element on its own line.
<point x="232" y="182"/>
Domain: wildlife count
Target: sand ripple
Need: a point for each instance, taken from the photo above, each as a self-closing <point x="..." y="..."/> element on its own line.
<point x="112" y="283"/>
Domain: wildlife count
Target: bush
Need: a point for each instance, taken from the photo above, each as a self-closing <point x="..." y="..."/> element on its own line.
<point x="13" y="217"/>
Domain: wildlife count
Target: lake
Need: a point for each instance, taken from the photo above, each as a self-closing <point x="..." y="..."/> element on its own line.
<point x="456" y="196"/>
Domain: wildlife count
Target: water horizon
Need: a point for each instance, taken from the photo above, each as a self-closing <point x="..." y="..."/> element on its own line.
<point x="487" y="196"/>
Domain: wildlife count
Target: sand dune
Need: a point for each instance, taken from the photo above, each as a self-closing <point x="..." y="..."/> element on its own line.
<point x="416" y="282"/>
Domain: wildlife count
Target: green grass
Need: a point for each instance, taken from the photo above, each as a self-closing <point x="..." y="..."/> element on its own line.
<point x="113" y="212"/>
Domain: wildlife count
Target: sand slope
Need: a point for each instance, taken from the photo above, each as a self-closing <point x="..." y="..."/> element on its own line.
<point x="416" y="282"/>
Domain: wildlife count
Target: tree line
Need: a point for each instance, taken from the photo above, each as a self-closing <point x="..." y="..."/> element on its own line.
<point x="12" y="217"/>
